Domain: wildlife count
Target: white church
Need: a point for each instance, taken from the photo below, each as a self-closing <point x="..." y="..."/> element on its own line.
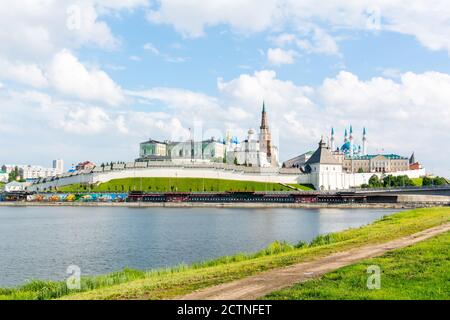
<point x="257" y="150"/>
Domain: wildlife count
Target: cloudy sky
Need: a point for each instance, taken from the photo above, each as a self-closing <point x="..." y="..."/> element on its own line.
<point x="90" y="79"/>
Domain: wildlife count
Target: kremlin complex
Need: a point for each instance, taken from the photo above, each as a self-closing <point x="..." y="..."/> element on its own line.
<point x="332" y="166"/>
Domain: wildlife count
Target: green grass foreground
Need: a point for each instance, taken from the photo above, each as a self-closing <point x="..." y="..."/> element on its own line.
<point x="418" y="272"/>
<point x="180" y="185"/>
<point x="172" y="282"/>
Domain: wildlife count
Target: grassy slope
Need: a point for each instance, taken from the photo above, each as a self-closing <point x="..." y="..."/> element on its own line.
<point x="168" y="283"/>
<point x="180" y="184"/>
<point x="417" y="272"/>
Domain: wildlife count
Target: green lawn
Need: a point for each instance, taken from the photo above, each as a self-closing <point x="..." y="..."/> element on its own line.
<point x="180" y="185"/>
<point x="421" y="271"/>
<point x="171" y="282"/>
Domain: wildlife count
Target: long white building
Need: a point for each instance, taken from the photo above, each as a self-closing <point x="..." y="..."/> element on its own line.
<point x="31" y="172"/>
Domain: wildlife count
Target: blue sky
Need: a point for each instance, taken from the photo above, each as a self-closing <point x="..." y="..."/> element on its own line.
<point x="90" y="79"/>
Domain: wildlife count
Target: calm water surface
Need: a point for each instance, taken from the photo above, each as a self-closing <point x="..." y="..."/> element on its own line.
<point x="41" y="242"/>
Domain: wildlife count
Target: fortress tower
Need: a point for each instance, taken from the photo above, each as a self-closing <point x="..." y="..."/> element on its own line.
<point x="265" y="139"/>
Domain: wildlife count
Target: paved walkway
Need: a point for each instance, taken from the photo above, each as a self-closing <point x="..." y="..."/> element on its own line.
<point x="276" y="279"/>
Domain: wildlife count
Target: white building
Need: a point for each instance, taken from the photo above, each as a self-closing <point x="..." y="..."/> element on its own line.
<point x="248" y="152"/>
<point x="35" y="172"/>
<point x="58" y="165"/>
<point x="210" y="150"/>
<point x="4" y="176"/>
<point x="256" y="150"/>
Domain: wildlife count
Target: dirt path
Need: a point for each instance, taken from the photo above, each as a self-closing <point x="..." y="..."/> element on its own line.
<point x="269" y="281"/>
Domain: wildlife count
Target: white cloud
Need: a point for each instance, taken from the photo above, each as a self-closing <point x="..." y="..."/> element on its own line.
<point x="135" y="58"/>
<point x="29" y="74"/>
<point x="41" y="28"/>
<point x="321" y="42"/>
<point x="150" y="47"/>
<point x="191" y="16"/>
<point x="187" y="104"/>
<point x="71" y="77"/>
<point x="428" y="23"/>
<point x="277" y="56"/>
<point x="168" y="58"/>
<point x="85" y="120"/>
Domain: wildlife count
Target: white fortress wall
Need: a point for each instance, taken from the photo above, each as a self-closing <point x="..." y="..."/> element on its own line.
<point x="194" y="173"/>
<point x="100" y="177"/>
<point x="327" y="180"/>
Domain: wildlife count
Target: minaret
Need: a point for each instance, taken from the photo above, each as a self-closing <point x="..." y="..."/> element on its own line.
<point x="351" y="141"/>
<point x="265" y="140"/>
<point x="345" y="136"/>
<point x="332" y="140"/>
<point x="364" y="140"/>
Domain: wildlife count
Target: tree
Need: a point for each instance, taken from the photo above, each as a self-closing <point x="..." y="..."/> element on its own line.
<point x="439" y="181"/>
<point x="14" y="175"/>
<point x="427" y="181"/>
<point x="235" y="161"/>
<point x="360" y="170"/>
<point x="374" y="181"/>
<point x="389" y="181"/>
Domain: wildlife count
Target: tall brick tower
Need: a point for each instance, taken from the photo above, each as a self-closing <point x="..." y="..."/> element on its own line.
<point x="265" y="140"/>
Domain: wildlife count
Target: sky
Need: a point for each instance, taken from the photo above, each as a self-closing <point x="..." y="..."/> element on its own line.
<point x="91" y="79"/>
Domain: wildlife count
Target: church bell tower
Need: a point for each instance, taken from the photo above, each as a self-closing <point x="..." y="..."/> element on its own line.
<point x="265" y="140"/>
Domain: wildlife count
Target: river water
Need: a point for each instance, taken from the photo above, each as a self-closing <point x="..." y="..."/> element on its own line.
<point x="41" y="242"/>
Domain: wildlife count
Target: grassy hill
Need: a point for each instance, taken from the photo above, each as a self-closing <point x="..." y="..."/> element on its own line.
<point x="180" y="185"/>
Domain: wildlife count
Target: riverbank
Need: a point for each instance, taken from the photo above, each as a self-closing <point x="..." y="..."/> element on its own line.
<point x="404" y="205"/>
<point x="417" y="272"/>
<point x="178" y="281"/>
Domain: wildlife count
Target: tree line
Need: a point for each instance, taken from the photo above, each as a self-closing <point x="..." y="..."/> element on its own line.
<point x="402" y="181"/>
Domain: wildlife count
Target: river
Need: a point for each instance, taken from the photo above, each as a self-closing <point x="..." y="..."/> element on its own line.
<point x="41" y="242"/>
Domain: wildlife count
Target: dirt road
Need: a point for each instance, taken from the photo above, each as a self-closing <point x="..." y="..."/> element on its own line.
<point x="269" y="281"/>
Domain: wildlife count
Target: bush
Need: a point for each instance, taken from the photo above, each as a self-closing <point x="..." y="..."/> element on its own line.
<point x="322" y="240"/>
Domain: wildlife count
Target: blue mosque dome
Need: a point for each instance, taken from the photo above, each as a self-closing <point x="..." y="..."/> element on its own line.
<point x="346" y="148"/>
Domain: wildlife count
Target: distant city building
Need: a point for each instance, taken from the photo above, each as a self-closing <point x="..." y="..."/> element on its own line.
<point x="30" y="172"/>
<point x="58" y="165"/>
<point x="36" y="172"/>
<point x="86" y="165"/>
<point x="4" y="176"/>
